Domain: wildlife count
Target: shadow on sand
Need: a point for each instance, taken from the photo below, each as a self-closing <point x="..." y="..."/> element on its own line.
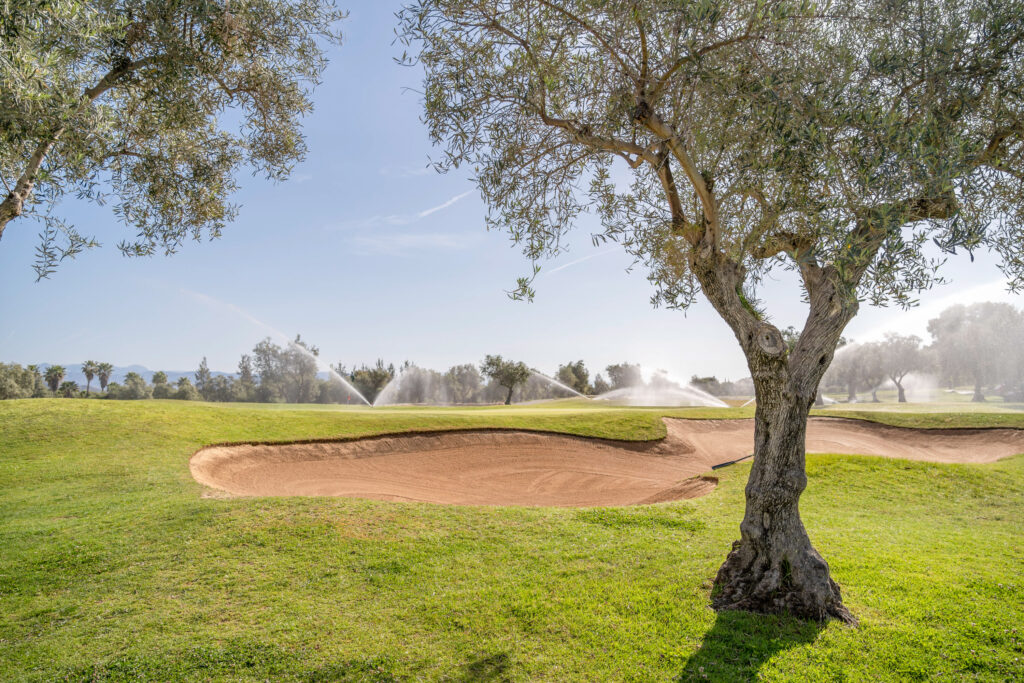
<point x="739" y="643"/>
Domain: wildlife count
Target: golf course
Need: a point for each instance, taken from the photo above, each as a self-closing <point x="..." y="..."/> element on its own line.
<point x="478" y="341"/>
<point x="119" y="566"/>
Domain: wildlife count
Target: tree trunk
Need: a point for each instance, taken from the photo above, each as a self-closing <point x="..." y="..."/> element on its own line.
<point x="773" y="567"/>
<point x="978" y="396"/>
<point x="874" y="396"/>
<point x="851" y="393"/>
<point x="508" y="399"/>
<point x="819" y="401"/>
<point x="10" y="209"/>
<point x="902" y="394"/>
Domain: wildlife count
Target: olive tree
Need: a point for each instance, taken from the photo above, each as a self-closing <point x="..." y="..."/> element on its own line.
<point x="900" y="355"/>
<point x="507" y="373"/>
<point x="720" y="139"/>
<point x="856" y="367"/>
<point x="978" y="343"/>
<point x="138" y="100"/>
<point x="872" y="373"/>
<point x="845" y="371"/>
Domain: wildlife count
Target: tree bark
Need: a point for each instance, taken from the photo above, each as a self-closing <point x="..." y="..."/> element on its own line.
<point x="902" y="394"/>
<point x="773" y="567"/>
<point x="508" y="399"/>
<point x="10" y="209"/>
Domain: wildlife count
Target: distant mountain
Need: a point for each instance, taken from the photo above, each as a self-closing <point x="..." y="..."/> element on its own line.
<point x="73" y="372"/>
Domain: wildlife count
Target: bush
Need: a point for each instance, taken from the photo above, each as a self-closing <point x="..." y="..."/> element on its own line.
<point x="135" y="388"/>
<point x="16" y="381"/>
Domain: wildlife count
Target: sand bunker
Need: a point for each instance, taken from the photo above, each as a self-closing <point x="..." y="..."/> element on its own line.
<point x="506" y="467"/>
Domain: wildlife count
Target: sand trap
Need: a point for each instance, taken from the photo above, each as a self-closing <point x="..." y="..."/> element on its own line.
<point x="505" y="467"/>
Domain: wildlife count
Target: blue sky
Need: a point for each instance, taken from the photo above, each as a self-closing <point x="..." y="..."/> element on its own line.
<point x="368" y="253"/>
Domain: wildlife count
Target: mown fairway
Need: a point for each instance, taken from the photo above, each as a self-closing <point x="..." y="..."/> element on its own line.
<point x="116" y="566"/>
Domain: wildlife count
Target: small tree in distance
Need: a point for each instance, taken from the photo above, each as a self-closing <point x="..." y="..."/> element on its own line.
<point x="103" y="372"/>
<point x="89" y="369"/>
<point x="623" y="375"/>
<point x="872" y="372"/>
<point x="574" y="375"/>
<point x="509" y="374"/>
<point x="203" y="377"/>
<point x="54" y="376"/>
<point x="899" y="355"/>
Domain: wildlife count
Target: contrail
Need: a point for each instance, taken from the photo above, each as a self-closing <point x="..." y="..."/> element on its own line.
<point x="215" y="302"/>
<point x="580" y="260"/>
<point x="435" y="209"/>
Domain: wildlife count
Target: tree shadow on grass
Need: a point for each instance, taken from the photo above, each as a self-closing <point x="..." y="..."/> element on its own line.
<point x="739" y="643"/>
<point x="493" y="667"/>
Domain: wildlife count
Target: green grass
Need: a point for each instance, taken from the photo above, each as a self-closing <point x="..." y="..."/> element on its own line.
<point x="114" y="566"/>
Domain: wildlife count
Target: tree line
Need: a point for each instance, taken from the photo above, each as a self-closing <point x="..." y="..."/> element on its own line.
<point x="976" y="346"/>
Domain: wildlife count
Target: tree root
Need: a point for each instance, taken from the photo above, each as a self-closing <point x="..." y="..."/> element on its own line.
<point x="797" y="583"/>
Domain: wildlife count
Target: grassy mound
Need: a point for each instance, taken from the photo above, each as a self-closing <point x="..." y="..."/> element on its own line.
<point x="115" y="567"/>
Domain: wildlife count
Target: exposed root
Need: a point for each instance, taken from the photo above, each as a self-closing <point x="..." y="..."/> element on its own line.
<point x="796" y="583"/>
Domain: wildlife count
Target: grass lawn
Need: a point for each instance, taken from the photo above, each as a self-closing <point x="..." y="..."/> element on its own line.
<point x="115" y="566"/>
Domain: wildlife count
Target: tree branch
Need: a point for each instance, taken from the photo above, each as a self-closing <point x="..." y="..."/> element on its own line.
<point x="583" y="24"/>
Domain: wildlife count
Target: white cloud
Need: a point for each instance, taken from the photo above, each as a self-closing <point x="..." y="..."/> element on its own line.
<point x="407" y="242"/>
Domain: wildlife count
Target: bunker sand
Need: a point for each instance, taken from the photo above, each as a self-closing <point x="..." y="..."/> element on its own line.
<point x="509" y="467"/>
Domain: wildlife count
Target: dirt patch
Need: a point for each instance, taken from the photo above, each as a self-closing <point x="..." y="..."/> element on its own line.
<point x="509" y="467"/>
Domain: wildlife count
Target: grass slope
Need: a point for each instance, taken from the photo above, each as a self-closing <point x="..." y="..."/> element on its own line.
<point x="115" y="567"/>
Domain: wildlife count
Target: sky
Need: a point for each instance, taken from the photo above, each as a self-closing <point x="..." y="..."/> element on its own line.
<point x="368" y="253"/>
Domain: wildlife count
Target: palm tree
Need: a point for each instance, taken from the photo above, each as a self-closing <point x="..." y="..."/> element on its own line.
<point x="54" y="375"/>
<point x="89" y="369"/>
<point x="68" y="389"/>
<point x="104" y="371"/>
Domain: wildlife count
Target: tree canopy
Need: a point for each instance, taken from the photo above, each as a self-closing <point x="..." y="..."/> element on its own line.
<point x="738" y="136"/>
<point x="154" y="105"/>
<point x="720" y="139"/>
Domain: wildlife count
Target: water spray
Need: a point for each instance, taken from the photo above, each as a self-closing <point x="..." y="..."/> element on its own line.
<point x="552" y="380"/>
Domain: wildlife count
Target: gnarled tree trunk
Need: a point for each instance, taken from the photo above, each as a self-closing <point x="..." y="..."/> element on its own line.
<point x="773" y="567"/>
